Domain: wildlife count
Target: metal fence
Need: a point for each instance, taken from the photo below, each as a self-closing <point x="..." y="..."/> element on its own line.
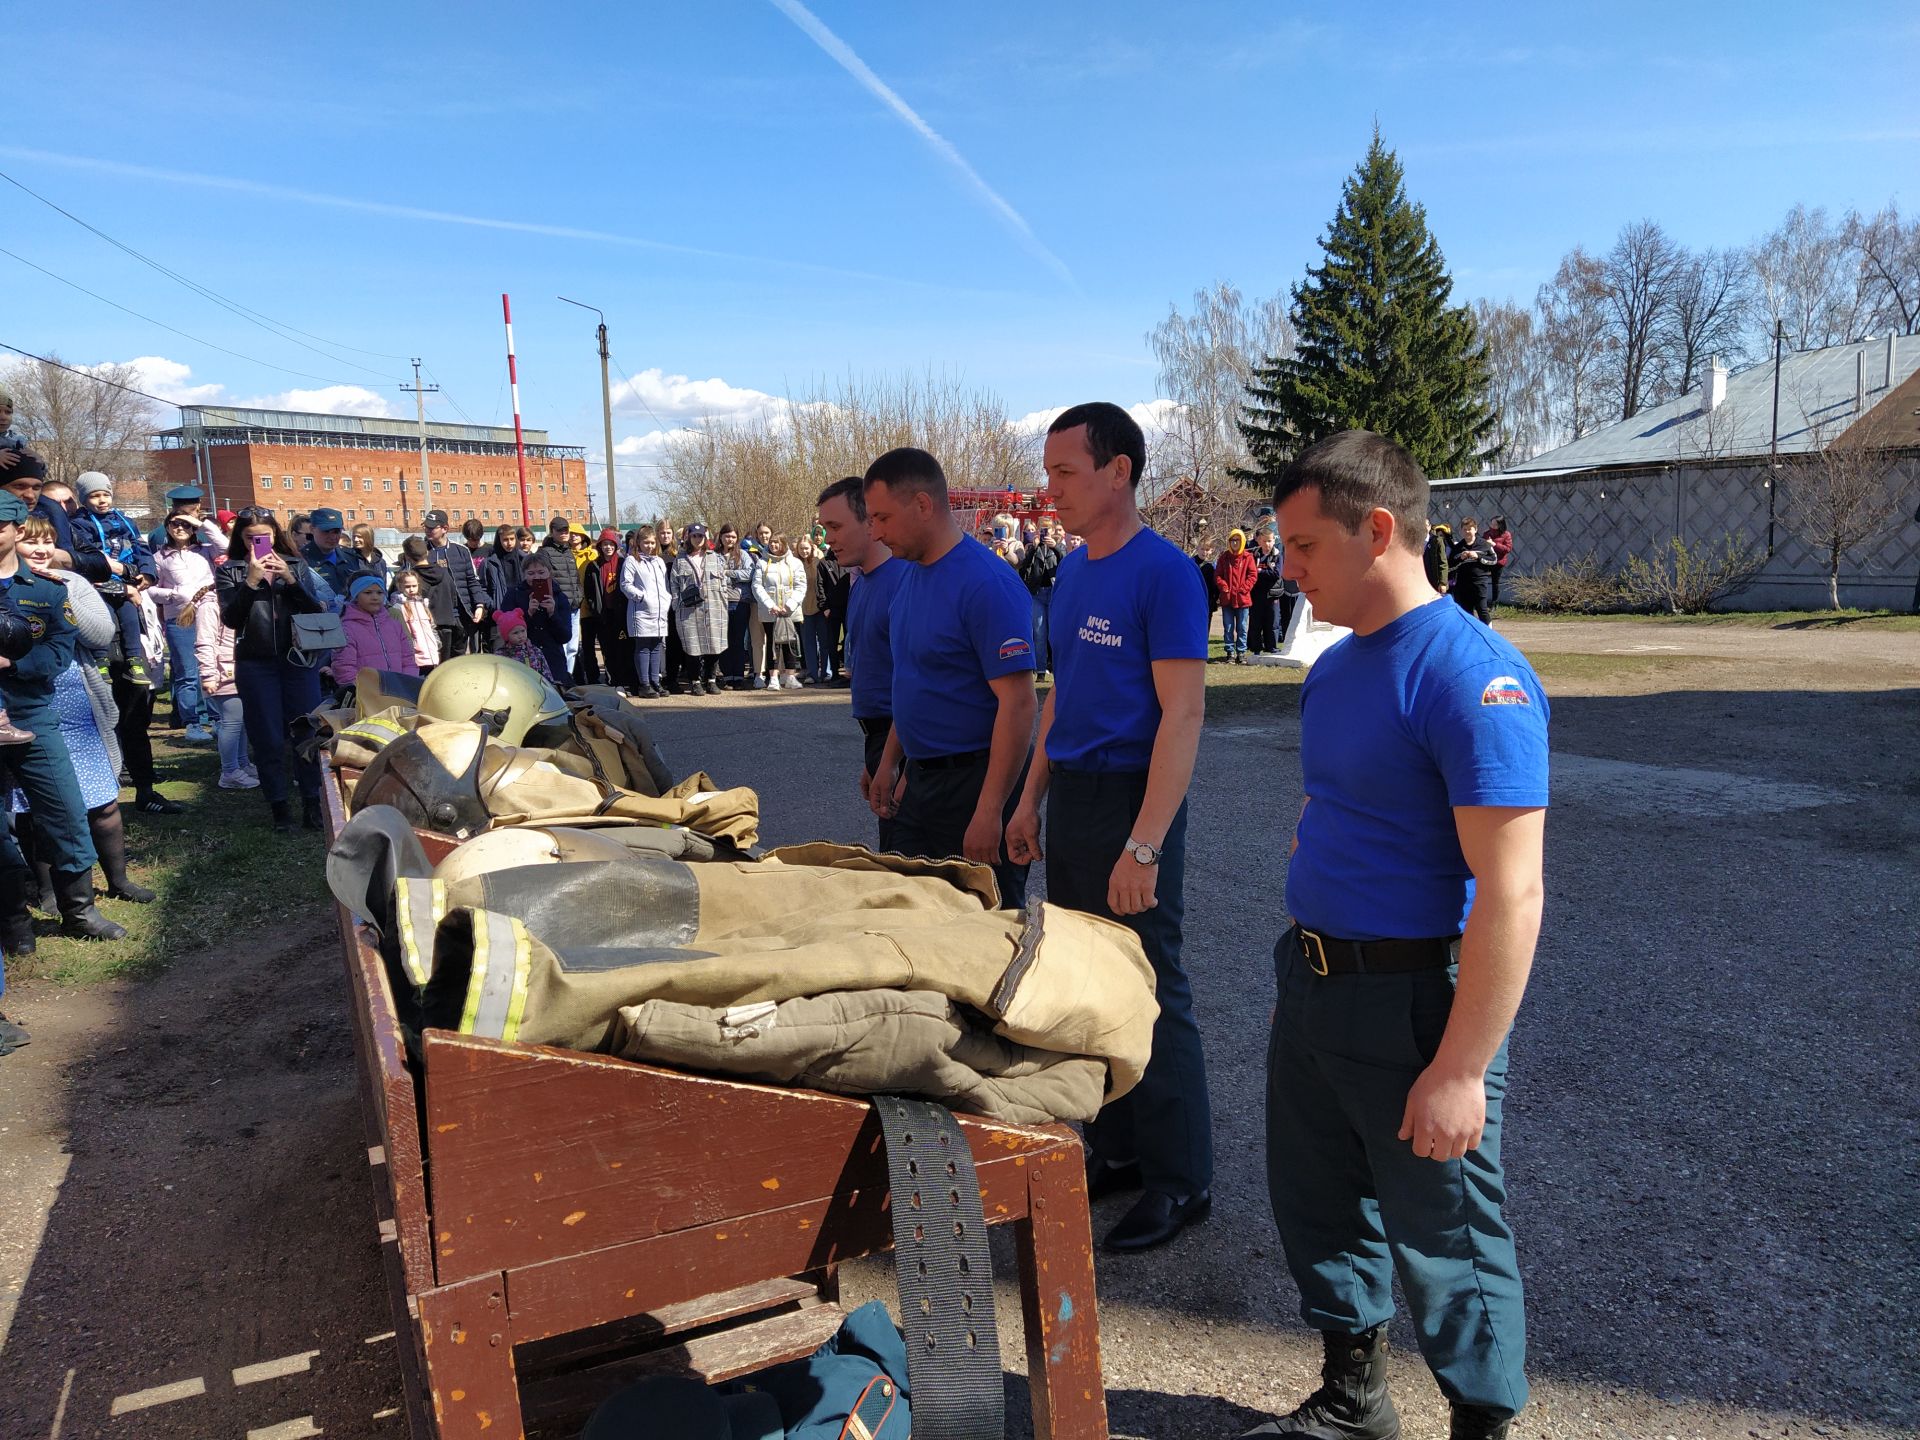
<point x="1614" y="514"/>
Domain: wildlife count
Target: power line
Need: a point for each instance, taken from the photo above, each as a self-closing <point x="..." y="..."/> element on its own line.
<point x="251" y="316"/>
<point x="238" y="355"/>
<point x="86" y="374"/>
<point x="448" y="397"/>
<point x="634" y="391"/>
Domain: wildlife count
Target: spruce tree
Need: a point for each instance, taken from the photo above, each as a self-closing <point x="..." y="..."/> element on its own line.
<point x="1378" y="345"/>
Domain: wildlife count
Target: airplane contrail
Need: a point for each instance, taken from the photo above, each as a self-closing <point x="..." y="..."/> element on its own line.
<point x="842" y="54"/>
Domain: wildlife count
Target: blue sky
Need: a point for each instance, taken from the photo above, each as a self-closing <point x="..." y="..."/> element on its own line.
<point x="732" y="184"/>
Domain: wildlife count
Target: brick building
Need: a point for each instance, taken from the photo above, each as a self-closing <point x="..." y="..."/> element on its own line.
<point x="368" y="469"/>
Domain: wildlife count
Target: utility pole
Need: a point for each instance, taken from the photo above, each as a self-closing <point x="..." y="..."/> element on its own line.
<point x="1773" y="444"/>
<point x="420" y="393"/>
<point x="606" y="412"/>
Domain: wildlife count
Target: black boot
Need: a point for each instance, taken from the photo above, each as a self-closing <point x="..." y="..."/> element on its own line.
<point x="310" y="812"/>
<point x="283" y="817"/>
<point x="1476" y="1422"/>
<point x="16" y="925"/>
<point x="110" y="841"/>
<point x="1352" y="1402"/>
<point x="78" y="918"/>
<point x="41" y="891"/>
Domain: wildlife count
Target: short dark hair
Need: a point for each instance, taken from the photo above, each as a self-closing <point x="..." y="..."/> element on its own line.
<point x="851" y="489"/>
<point x="909" y="469"/>
<point x="1111" y="431"/>
<point x="1356" y="473"/>
<point x="473" y="531"/>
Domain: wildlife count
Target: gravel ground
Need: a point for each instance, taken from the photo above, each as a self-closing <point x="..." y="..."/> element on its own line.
<point x="1712" y="1122"/>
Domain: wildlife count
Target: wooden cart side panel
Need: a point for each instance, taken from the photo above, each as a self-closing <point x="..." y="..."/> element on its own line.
<point x="387" y="1088"/>
<point x="1058" y="1305"/>
<point x="576" y="1291"/>
<point x="542" y="1153"/>
<point x="467" y="1339"/>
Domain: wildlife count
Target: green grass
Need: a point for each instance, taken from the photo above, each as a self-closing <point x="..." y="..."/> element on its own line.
<point x="220" y="871"/>
<point x="1250" y="691"/>
<point x="1873" y="620"/>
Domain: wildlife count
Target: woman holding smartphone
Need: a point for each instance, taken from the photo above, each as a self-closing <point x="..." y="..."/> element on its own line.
<point x="261" y="586"/>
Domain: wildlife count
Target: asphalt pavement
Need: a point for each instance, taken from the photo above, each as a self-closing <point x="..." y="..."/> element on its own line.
<point x="1713" y="1114"/>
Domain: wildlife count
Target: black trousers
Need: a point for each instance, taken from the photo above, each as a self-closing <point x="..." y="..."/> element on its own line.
<point x="873" y="741"/>
<point x="1471" y="596"/>
<point x="942" y="794"/>
<point x="1166" y="1121"/>
<point x="1261" y="638"/>
<point x="135" y="704"/>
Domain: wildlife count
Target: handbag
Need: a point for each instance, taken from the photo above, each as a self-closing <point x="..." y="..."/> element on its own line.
<point x="315" y="637"/>
<point x="690" y="593"/>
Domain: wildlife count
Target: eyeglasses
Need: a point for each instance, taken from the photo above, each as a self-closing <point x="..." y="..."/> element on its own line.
<point x="254" y="513"/>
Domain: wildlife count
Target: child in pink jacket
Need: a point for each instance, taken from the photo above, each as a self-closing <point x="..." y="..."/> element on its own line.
<point x="376" y="640"/>
<point x="213" y="650"/>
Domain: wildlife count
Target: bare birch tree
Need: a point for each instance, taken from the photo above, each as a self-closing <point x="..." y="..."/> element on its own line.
<point x="79" y="421"/>
<point x="1810" y="279"/>
<point x="1641" y="273"/>
<point x="1708" y="315"/>
<point x="1207" y="356"/>
<point x="769" y="468"/>
<point x="1518" y="388"/>
<point x="1889" y="252"/>
<point x="1574" y="343"/>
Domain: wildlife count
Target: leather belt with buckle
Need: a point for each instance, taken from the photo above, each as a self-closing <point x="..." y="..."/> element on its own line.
<point x="1327" y="955"/>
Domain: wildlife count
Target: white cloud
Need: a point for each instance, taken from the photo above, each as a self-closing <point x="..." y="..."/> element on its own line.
<point x="327" y="400"/>
<point x="669" y="398"/>
<point x="172" y="381"/>
<point x="1153" y="416"/>
<point x="649" y="449"/>
<point x="169" y="379"/>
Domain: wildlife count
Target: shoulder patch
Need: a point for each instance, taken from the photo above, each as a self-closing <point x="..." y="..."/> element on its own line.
<point x="1504" y="690"/>
<point x="1014" y="646"/>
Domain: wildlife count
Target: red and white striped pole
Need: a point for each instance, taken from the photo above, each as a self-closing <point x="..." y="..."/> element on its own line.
<point x="519" y="439"/>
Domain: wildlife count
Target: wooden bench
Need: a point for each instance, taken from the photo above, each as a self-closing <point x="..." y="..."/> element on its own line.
<point x="555" y="1224"/>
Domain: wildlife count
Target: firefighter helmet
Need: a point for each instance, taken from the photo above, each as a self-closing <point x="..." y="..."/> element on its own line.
<point x="431" y="776"/>
<point x="504" y="695"/>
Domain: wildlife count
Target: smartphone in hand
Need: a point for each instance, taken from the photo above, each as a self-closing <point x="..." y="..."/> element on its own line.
<point x="540" y="589"/>
<point x="262" y="545"/>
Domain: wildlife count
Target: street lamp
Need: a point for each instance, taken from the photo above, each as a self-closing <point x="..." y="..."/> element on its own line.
<point x="606" y="409"/>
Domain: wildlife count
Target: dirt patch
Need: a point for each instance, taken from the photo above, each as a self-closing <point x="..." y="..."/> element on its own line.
<point x="203" y="1260"/>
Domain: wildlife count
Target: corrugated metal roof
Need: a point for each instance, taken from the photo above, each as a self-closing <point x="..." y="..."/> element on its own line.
<point x="223" y="417"/>
<point x="1817" y="404"/>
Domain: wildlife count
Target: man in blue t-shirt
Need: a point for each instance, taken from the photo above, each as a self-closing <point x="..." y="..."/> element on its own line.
<point x="842" y="508"/>
<point x="1118" y="737"/>
<point x="1415" y="890"/>
<point x="961" y="631"/>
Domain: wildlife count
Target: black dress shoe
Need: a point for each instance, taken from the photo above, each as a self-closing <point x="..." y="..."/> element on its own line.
<point x="1104" y="1179"/>
<point x="1155" y="1219"/>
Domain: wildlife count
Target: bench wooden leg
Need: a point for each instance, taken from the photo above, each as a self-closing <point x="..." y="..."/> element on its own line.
<point x="1055" y="1242"/>
<point x="468" y="1347"/>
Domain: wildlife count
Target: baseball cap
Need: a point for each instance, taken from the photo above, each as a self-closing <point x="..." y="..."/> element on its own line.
<point x="695" y="531"/>
<point x="325" y="519"/>
<point x="435" y="519"/>
<point x="559" y="525"/>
